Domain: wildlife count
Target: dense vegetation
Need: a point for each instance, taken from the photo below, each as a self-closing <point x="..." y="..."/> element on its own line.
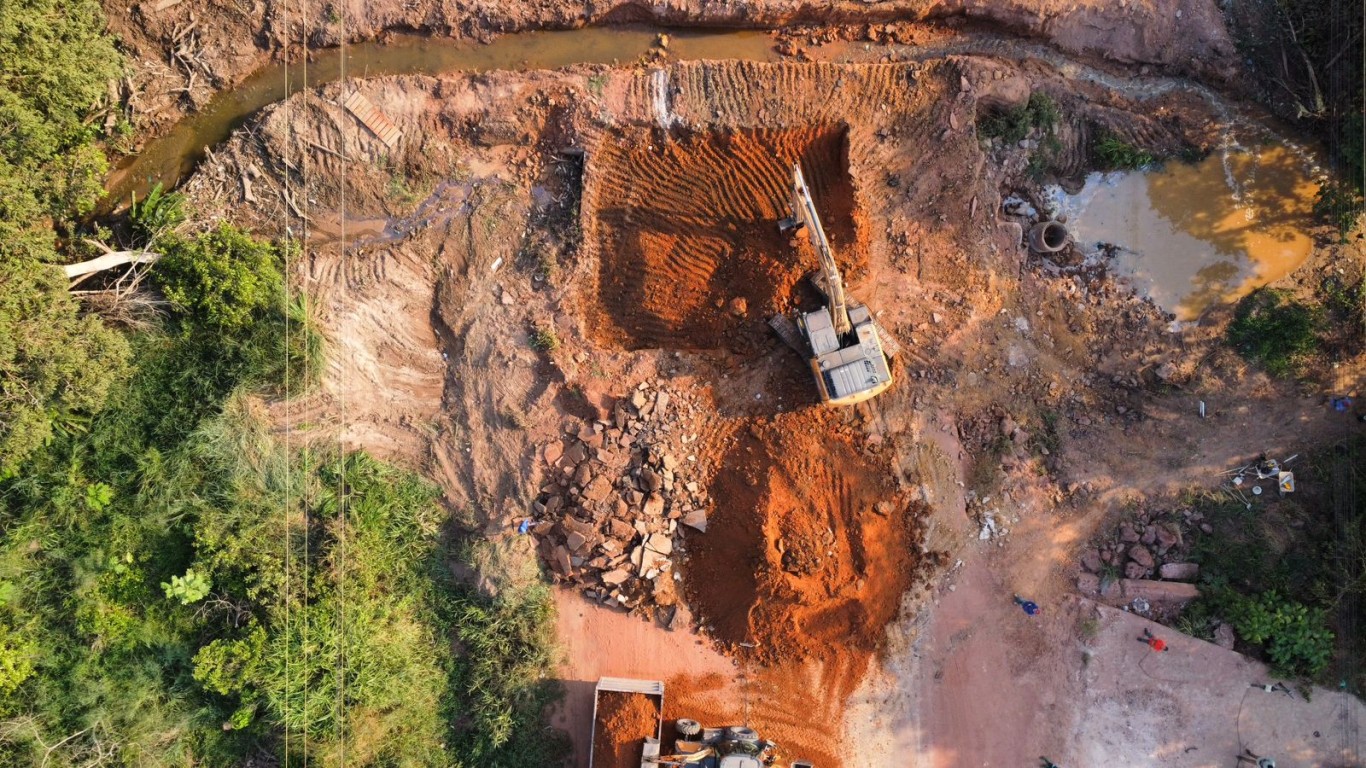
<point x="177" y="585"/>
<point x="1310" y="53"/>
<point x="1290" y="575"/>
<point x="1272" y="328"/>
<point x="54" y="365"/>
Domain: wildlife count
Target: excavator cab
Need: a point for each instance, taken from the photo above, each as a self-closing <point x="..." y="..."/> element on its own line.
<point x="846" y="348"/>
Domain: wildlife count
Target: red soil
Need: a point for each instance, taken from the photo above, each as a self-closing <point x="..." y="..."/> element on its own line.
<point x="688" y="226"/>
<point x="810" y="546"/>
<point x="624" y="721"/>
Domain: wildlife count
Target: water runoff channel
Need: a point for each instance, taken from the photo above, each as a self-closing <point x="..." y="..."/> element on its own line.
<point x="172" y="157"/>
<point x="1189" y="236"/>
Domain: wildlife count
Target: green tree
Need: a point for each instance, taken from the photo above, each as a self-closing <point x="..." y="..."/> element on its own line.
<point x="54" y="363"/>
<point x="221" y="279"/>
<point x="58" y="62"/>
<point x="55" y="63"/>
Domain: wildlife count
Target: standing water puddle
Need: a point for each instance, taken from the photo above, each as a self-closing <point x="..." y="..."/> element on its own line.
<point x="1194" y="235"/>
<point x="168" y="159"/>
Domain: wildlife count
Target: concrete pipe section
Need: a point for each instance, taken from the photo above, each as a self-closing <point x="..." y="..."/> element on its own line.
<point x="1047" y="237"/>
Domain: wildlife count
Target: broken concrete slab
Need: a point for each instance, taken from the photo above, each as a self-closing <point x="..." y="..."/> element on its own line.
<point x="654" y="506"/>
<point x="660" y="543"/>
<point x="1179" y="571"/>
<point x="1158" y="591"/>
<point x="696" y="519"/>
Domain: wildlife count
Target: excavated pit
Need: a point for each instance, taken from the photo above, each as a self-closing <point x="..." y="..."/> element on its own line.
<point x="689" y="252"/>
<point x="810" y="546"/>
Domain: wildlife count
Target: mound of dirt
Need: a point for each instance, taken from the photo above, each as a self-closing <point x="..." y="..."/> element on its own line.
<point x="690" y="256"/>
<point x="810" y="547"/>
<point x="624" y="721"/>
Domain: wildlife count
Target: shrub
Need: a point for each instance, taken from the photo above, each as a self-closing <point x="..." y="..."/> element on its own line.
<point x="16" y="660"/>
<point x="1340" y="204"/>
<point x="190" y="588"/>
<point x="156" y="216"/>
<point x="1293" y="634"/>
<point x="222" y="278"/>
<point x="1013" y="125"/>
<point x="544" y="339"/>
<point x="54" y="363"/>
<point x="1274" y="330"/>
<point x="1114" y="154"/>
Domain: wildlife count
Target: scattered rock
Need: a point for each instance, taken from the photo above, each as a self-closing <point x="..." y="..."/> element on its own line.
<point x="1167" y="538"/>
<point x="1091" y="561"/>
<point x="654" y="506"/>
<point x="1223" y="635"/>
<point x="1127" y="533"/>
<point x="739" y="307"/>
<point x="650" y="480"/>
<point x="600" y="519"/>
<point x="696" y="519"/>
<point x="552" y="452"/>
<point x="1135" y="571"/>
<point x="1140" y="554"/>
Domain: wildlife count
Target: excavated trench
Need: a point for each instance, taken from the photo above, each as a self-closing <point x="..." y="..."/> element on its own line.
<point x="810" y="545"/>
<point x="690" y="256"/>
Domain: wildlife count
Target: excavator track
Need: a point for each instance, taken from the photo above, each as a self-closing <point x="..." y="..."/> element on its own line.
<point x="790" y="334"/>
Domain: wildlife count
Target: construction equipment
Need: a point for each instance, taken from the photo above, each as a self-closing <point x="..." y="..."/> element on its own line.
<point x="735" y="746"/>
<point x="848" y="351"/>
<point x="652" y="689"/>
<point x="731" y="747"/>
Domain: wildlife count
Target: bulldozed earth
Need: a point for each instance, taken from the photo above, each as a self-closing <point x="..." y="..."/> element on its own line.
<point x="552" y="297"/>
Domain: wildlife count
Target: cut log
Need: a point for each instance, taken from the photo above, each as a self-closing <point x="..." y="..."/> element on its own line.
<point x="109" y="260"/>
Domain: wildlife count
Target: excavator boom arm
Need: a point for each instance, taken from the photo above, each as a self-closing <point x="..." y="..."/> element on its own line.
<point x="804" y="211"/>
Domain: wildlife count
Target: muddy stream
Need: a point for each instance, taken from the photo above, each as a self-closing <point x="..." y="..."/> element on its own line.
<point x="170" y="158"/>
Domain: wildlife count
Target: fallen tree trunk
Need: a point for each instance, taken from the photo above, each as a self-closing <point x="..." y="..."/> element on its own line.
<point x="112" y="259"/>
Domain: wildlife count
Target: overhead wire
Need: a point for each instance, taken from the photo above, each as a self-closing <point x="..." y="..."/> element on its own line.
<point x="343" y="508"/>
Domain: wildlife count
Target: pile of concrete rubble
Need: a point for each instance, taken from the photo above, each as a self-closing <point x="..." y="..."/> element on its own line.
<point x="612" y="503"/>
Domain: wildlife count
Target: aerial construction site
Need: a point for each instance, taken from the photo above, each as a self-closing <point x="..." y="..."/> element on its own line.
<point x="864" y="386"/>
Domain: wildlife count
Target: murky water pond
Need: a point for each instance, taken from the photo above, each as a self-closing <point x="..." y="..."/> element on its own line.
<point x="1194" y="235"/>
<point x="170" y="158"/>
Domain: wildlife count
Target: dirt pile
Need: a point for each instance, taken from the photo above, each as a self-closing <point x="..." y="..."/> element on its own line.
<point x="624" y="721"/>
<point x="690" y="252"/>
<point x="811" y="545"/>
<point x="607" y="516"/>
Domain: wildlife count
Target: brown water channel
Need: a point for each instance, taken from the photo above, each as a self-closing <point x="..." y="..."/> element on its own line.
<point x="170" y="158"/>
<point x="1191" y="236"/>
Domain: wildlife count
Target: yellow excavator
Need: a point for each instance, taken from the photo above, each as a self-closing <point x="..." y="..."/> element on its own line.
<point x="847" y="349"/>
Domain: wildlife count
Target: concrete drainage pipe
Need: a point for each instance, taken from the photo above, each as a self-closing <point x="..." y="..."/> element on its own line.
<point x="1047" y="237"/>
